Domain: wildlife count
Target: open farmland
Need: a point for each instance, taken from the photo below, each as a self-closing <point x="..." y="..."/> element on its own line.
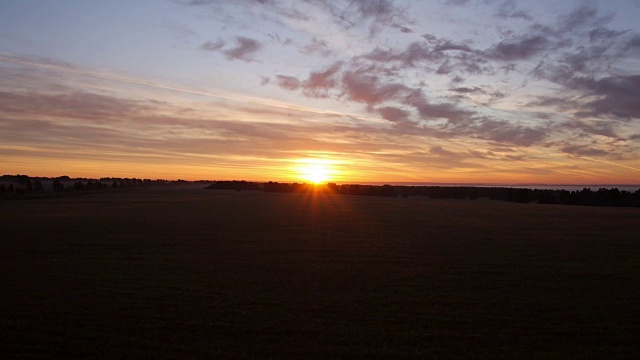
<point x="169" y="272"/>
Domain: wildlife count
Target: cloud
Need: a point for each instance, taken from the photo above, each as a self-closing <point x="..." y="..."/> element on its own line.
<point x="77" y="105"/>
<point x="489" y="129"/>
<point x="245" y="50"/>
<point x="440" y="56"/>
<point x="406" y="107"/>
<point x="519" y="48"/>
<point x="429" y="111"/>
<point x="377" y="15"/>
<point x="618" y="96"/>
<point x="457" y="2"/>
<point x="320" y="83"/>
<point x="582" y="150"/>
<point x="361" y="86"/>
<point x="213" y="46"/>
<point x="585" y="15"/>
<point x="603" y="34"/>
<point x="468" y="90"/>
<point x="508" y="9"/>
<point x="633" y="45"/>
<point x="317" y="46"/>
<point x="394" y="114"/>
<point x="288" y="82"/>
<point x="408" y="81"/>
<point x="439" y="150"/>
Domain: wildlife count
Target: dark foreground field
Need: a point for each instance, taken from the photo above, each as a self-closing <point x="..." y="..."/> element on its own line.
<point x="188" y="272"/>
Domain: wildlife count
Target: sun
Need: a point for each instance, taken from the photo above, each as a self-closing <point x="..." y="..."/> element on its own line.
<point x="316" y="173"/>
<point x="317" y="170"/>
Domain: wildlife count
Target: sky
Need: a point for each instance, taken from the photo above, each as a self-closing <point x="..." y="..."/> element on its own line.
<point x="448" y="91"/>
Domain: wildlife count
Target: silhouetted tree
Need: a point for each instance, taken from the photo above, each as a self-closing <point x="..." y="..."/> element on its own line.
<point x="57" y="185"/>
<point x="90" y="185"/>
<point x="79" y="186"/>
<point x="37" y="186"/>
<point x="519" y="195"/>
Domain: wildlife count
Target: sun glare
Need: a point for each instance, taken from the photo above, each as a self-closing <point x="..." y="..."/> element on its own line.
<point x="315" y="171"/>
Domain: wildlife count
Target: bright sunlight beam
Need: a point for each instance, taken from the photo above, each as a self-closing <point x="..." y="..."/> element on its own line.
<point x="315" y="171"/>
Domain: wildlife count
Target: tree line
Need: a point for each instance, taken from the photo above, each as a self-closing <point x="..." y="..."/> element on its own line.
<point x="15" y="186"/>
<point x="22" y="185"/>
<point x="584" y="197"/>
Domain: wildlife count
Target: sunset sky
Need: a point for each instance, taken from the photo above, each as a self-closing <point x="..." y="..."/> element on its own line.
<point x="455" y="91"/>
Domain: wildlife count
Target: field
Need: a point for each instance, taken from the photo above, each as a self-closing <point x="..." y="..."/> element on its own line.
<point x="185" y="272"/>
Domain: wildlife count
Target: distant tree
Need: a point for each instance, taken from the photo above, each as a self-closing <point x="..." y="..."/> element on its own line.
<point x="567" y="197"/>
<point x="37" y="186"/>
<point x="57" y="185"/>
<point x="474" y="193"/>
<point x="520" y="195"/>
<point x="29" y="186"/>
<point x="114" y="184"/>
<point x="79" y="186"/>
<point x="10" y="189"/>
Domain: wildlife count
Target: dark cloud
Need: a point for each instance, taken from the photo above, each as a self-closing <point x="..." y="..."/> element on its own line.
<point x="394" y="114"/>
<point x="596" y="127"/>
<point x="468" y="90"/>
<point x="586" y="15"/>
<point x="519" y="48"/>
<point x="377" y="14"/>
<point x="457" y="2"/>
<point x="505" y="132"/>
<point x="360" y="86"/>
<point x="317" y="46"/>
<point x="582" y="150"/>
<point x="508" y="9"/>
<point x="618" y="96"/>
<point x="320" y="83"/>
<point x="288" y="82"/>
<point x="497" y="131"/>
<point x="76" y="105"/>
<point x="439" y="150"/>
<point x="603" y="34"/>
<point x="215" y="2"/>
<point x="413" y="54"/>
<point x="633" y="44"/>
<point x="445" y="55"/>
<point x="213" y="46"/>
<point x="431" y="111"/>
<point x="245" y="50"/>
<point x="380" y="14"/>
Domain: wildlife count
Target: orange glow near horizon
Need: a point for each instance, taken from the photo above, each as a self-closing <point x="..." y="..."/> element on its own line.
<point x="317" y="171"/>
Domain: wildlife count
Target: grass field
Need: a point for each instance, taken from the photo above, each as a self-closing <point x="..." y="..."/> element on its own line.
<point x="175" y="272"/>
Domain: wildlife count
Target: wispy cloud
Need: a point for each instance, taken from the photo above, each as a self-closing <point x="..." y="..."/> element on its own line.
<point x="246" y="49"/>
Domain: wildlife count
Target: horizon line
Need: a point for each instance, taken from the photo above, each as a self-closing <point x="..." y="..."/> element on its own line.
<point x="392" y="183"/>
